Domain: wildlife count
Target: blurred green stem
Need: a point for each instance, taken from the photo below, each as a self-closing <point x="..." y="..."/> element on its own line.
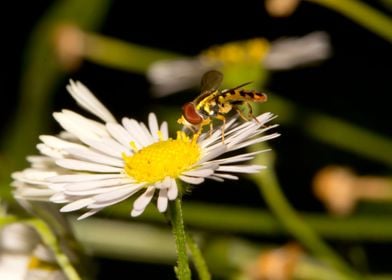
<point x="363" y="14"/>
<point x="229" y="218"/>
<point x="346" y="136"/>
<point x="270" y="189"/>
<point x="122" y="55"/>
<point x="41" y="74"/>
<point x="182" y="270"/>
<point x="7" y="219"/>
<point x="340" y="133"/>
<point x="154" y="244"/>
<point x="198" y="260"/>
<point x="51" y="241"/>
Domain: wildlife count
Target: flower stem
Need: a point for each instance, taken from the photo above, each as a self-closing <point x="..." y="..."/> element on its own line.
<point x="52" y="242"/>
<point x="182" y="269"/>
<point x="269" y="187"/>
<point x="362" y="14"/>
<point x="119" y="54"/>
<point x="198" y="260"/>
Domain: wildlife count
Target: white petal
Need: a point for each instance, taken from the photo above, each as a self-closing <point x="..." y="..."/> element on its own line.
<point x="41" y="162"/>
<point x="33" y="193"/>
<point x="146" y="132"/>
<point x="165" y="130"/>
<point x="65" y="135"/>
<point x="88" y="101"/>
<point x="70" y="126"/>
<point x="40" y="159"/>
<point x="59" y="197"/>
<point x="86" y="124"/>
<point x="90" y="155"/>
<point x="119" y="133"/>
<point x="96" y="184"/>
<point x="56" y="143"/>
<point x="216" y="137"/>
<point x="159" y="185"/>
<point x="241" y="168"/>
<point x="162" y="200"/>
<point x="240" y="137"/>
<point x="213" y="153"/>
<point x="226" y="176"/>
<point x="237" y="158"/>
<point x="266" y="117"/>
<point x="76" y="205"/>
<point x="33" y="176"/>
<point x="192" y="180"/>
<point x="74" y="164"/>
<point x="116" y="195"/>
<point x="107" y="146"/>
<point x="136" y="213"/>
<point x="199" y="172"/>
<point x="83" y="177"/>
<point x="50" y="152"/>
<point x="153" y="125"/>
<point x="89" y="213"/>
<point x="142" y="201"/>
<point x="216" y="178"/>
<point x="58" y="187"/>
<point x="92" y="191"/>
<point x="141" y="137"/>
<point x="173" y="190"/>
<point x="167" y="182"/>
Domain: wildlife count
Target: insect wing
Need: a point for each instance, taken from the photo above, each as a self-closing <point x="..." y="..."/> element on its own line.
<point x="211" y="81"/>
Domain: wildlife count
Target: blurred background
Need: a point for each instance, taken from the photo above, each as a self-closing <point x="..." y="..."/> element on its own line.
<point x="326" y="69"/>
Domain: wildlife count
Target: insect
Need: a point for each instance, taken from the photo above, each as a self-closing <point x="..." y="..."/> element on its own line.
<point x="213" y="103"/>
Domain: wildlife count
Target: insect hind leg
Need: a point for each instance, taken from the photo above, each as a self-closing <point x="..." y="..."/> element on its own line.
<point x="250" y="113"/>
<point x="241" y="114"/>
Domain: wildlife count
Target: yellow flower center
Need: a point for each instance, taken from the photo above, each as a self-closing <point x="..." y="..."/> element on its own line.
<point x="253" y="51"/>
<point x="170" y="157"/>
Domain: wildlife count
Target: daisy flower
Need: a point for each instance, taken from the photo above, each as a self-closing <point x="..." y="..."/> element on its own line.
<point x="94" y="164"/>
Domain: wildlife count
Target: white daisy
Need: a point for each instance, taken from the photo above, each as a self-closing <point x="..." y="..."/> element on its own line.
<point x="95" y="164"/>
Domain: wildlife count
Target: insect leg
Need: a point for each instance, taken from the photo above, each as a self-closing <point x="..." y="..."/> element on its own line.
<point x="251" y="112"/>
<point x="240" y="113"/>
<point x="211" y="128"/>
<point x="223" y="119"/>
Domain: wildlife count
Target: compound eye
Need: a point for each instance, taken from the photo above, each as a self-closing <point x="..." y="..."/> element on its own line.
<point x="190" y="114"/>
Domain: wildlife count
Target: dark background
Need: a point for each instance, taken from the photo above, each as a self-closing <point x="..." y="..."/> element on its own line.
<point x="355" y="85"/>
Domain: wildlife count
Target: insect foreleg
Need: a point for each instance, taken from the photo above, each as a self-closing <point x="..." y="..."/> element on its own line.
<point x="223" y="119"/>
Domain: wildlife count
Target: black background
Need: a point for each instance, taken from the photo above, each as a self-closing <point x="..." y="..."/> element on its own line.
<point x="355" y="85"/>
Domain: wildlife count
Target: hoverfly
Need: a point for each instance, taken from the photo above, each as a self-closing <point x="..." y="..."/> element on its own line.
<point x="213" y="103"/>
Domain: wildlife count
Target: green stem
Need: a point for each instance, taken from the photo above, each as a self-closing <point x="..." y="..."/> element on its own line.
<point x="8" y="219"/>
<point x="51" y="241"/>
<point x="372" y="145"/>
<point x="154" y="244"/>
<point x="198" y="260"/>
<point x="270" y="189"/>
<point x="346" y="137"/>
<point x="123" y="55"/>
<point x="362" y="14"/>
<point x="183" y="271"/>
<point x="229" y="218"/>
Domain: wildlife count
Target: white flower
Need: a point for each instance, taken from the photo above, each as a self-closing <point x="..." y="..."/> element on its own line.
<point x="174" y="75"/>
<point x="97" y="164"/>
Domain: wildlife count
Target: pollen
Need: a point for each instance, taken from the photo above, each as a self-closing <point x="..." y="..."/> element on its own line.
<point x="164" y="158"/>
